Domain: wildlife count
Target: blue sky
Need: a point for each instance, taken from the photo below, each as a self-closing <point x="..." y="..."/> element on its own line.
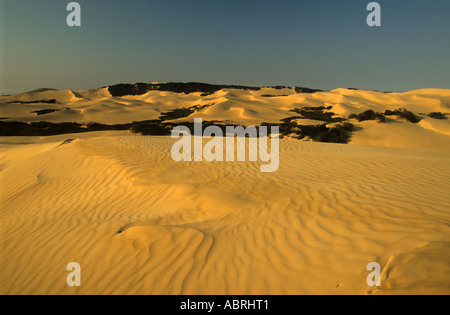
<point x="321" y="44"/>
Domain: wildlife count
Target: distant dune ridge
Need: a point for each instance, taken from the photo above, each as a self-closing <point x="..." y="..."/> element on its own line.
<point x="238" y="105"/>
<point x="139" y="223"/>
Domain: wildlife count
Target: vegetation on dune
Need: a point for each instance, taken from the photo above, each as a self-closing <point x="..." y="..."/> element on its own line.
<point x="43" y="128"/>
<point x="339" y="133"/>
<point x="402" y="113"/>
<point x="368" y="115"/>
<point x="162" y="126"/>
<point x="52" y="101"/>
<point x="437" y="115"/>
<point x="45" y="111"/>
<point x="333" y="129"/>
<point x="182" y="112"/>
<point x="306" y="90"/>
<point x="271" y="95"/>
<point x="151" y="128"/>
<point x="318" y="113"/>
<point x="120" y="90"/>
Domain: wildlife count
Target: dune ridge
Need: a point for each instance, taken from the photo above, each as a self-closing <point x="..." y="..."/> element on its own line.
<point x="246" y="106"/>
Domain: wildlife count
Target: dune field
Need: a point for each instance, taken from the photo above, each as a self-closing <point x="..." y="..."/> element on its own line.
<point x="139" y="223"/>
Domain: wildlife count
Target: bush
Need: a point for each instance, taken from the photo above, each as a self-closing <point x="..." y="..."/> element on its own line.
<point x="437" y="115"/>
<point x="176" y="113"/>
<point x="150" y="128"/>
<point x="368" y="115"/>
<point x="318" y="113"/>
<point x="305" y="90"/>
<point x="319" y="108"/>
<point x="45" y="111"/>
<point x="340" y="133"/>
<point x="14" y="128"/>
<point x="182" y="112"/>
<point x="403" y="114"/>
<point x="52" y="101"/>
<point x="44" y="128"/>
<point x="322" y="133"/>
<point x="346" y="126"/>
<point x="120" y="90"/>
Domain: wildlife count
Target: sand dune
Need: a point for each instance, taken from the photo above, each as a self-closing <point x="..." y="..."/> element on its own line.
<point x="266" y="104"/>
<point x="245" y="107"/>
<point x="139" y="223"/>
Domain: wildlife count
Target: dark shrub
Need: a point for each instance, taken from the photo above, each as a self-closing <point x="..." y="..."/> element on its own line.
<point x="187" y="88"/>
<point x="45" y="111"/>
<point x="318" y="108"/>
<point x="38" y="128"/>
<point x="279" y="87"/>
<point x="14" y="128"/>
<point x="437" y="115"/>
<point x="318" y="113"/>
<point x="321" y="133"/>
<point x="403" y="114"/>
<point x="368" y="115"/>
<point x="346" y="126"/>
<point x="150" y="128"/>
<point x="52" y="101"/>
<point x="176" y="113"/>
<point x="44" y="128"/>
<point x="335" y="135"/>
<point x="271" y="95"/>
<point x="306" y="90"/>
<point x="102" y="127"/>
<point x="182" y="112"/>
<point x="340" y="133"/>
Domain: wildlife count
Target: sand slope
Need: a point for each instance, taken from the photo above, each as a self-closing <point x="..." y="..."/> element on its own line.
<point x="139" y="223"/>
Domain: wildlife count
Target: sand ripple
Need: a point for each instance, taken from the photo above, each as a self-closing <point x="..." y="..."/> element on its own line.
<point x="139" y="223"/>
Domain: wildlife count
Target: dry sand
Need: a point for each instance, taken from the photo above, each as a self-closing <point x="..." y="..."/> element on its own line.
<point x="139" y="223"/>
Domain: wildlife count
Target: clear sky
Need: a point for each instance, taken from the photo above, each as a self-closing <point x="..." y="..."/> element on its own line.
<point x="322" y="44"/>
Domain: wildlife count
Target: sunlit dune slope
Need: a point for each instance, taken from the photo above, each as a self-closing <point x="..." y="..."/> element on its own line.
<point x="139" y="223"/>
